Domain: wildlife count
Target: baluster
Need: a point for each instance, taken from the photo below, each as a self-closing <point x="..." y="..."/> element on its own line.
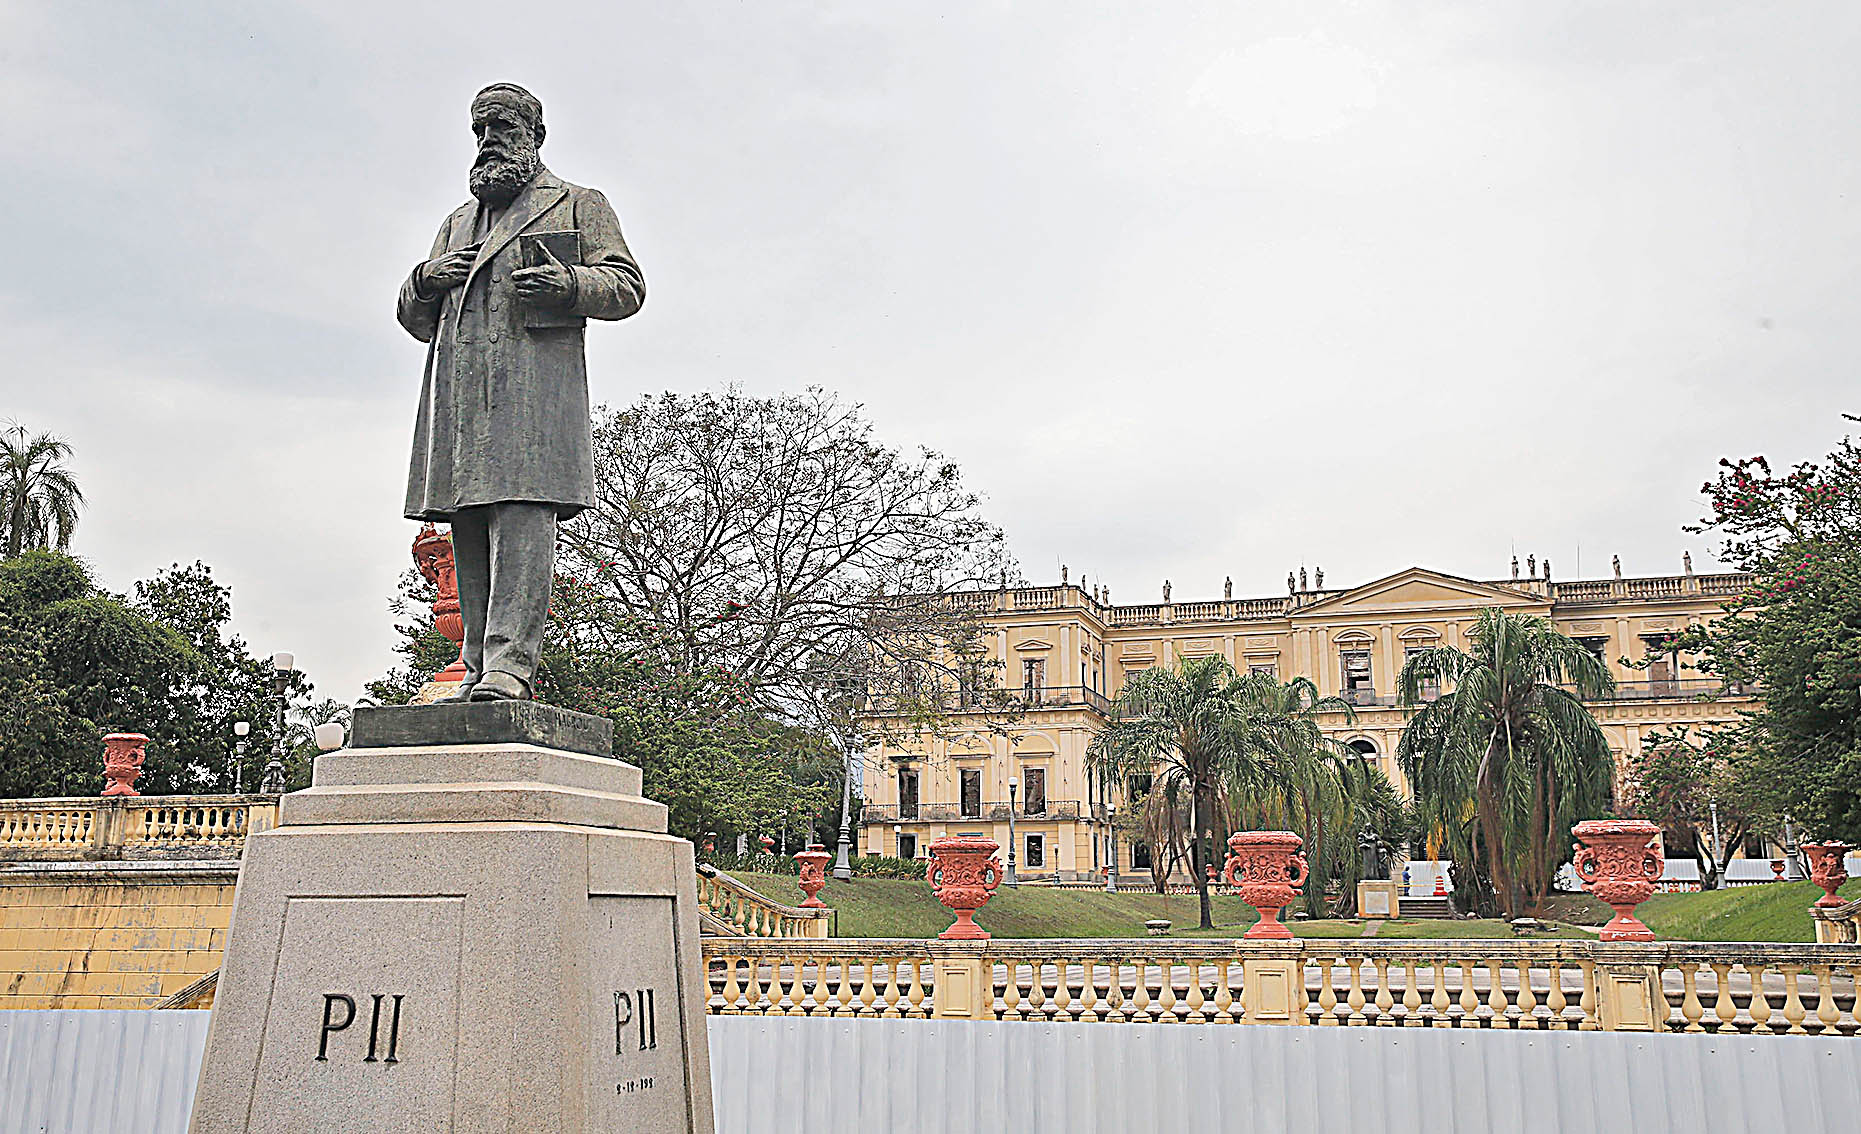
<point x="1411" y="995"/>
<point x="1088" y="991"/>
<point x="892" y="993"/>
<point x="1587" y="1003"/>
<point x="1140" y="992"/>
<point x="1355" y="998"/>
<point x="730" y="992"/>
<point x="1011" y="992"/>
<point x="1327" y="996"/>
<point x="1690" y="1007"/>
<point x="1385" y="1001"/>
<point x="1167" y="1010"/>
<point x="1760" y="1007"/>
<point x="1793" y="1011"/>
<point x="1114" y="991"/>
<point x="1469" y="1000"/>
<point x="1196" y="1006"/>
<point x="1827" y="1014"/>
<point x="818" y="999"/>
<point x="866" y="993"/>
<point x="1528" y="1000"/>
<point x="792" y="986"/>
<point x="918" y="1011"/>
<point x="1723" y="1006"/>
<point x="1439" y="1001"/>
<point x="1301" y="996"/>
<point x="1224" y="993"/>
<point x="768" y="995"/>
<point x="843" y="990"/>
<point x="1496" y="997"/>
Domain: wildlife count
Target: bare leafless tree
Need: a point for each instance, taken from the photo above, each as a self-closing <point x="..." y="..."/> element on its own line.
<point x="779" y="540"/>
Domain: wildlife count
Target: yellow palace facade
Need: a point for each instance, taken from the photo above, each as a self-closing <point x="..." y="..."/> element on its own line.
<point x="1067" y="653"/>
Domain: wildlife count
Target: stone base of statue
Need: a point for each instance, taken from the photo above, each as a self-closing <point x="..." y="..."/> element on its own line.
<point x="473" y="922"/>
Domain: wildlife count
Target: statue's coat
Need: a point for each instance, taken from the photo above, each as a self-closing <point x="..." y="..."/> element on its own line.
<point x="504" y="405"/>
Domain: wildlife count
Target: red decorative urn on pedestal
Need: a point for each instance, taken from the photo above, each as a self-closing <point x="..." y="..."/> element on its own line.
<point x="1618" y="862"/>
<point x="963" y="872"/>
<point x="1777" y="869"/>
<point x="1827" y="870"/>
<point x="122" y="762"/>
<point x="433" y="556"/>
<point x="813" y="863"/>
<point x="1269" y="870"/>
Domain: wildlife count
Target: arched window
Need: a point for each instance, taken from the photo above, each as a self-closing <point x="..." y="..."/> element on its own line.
<point x="1364" y="747"/>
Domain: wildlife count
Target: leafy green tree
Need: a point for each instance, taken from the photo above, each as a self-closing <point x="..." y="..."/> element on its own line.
<point x="1509" y="758"/>
<point x="39" y="494"/>
<point x="77" y="662"/>
<point x="1683" y="775"/>
<point x="1796" y="634"/>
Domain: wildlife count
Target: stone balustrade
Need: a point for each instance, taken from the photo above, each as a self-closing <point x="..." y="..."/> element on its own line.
<point x="1544" y="985"/>
<point x="1837" y="924"/>
<point x="729" y="908"/>
<point x="132" y="827"/>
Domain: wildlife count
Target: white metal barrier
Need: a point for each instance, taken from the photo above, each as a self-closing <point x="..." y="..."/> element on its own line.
<point x="97" y="1072"/>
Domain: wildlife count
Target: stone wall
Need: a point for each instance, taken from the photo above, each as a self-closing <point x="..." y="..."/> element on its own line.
<point x="110" y="934"/>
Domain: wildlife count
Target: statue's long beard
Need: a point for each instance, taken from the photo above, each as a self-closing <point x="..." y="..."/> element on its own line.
<point x="496" y="180"/>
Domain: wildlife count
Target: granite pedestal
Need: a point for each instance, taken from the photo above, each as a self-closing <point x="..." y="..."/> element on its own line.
<point x="469" y="923"/>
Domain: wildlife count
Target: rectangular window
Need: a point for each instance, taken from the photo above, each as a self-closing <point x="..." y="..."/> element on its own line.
<point x="1357" y="683"/>
<point x="907" y="794"/>
<point x="1264" y="669"/>
<point x="1430" y="688"/>
<point x="1035" y="781"/>
<point x="1036" y="855"/>
<point x="972" y="792"/>
<point x="1033" y="679"/>
<point x="1140" y="856"/>
<point x="907" y="846"/>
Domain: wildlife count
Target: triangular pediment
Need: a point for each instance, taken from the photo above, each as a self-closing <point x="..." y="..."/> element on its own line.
<point x="1417" y="590"/>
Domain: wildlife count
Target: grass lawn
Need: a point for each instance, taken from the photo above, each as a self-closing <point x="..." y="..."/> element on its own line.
<point x="890" y="907"/>
<point x="1772" y="911"/>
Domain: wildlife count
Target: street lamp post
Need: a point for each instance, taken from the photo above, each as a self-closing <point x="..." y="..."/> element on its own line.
<point x="1718" y="850"/>
<point x="1111" y="826"/>
<point x="236" y="775"/>
<point x="1012" y="785"/>
<point x="1793" y="868"/>
<point x="843" y="865"/>
<point x="281" y="666"/>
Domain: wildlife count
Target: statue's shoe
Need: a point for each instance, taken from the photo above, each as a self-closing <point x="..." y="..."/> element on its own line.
<point x="500" y="686"/>
<point x="458" y="696"/>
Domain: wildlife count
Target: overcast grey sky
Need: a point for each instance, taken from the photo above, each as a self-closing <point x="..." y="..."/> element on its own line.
<point x="1205" y="289"/>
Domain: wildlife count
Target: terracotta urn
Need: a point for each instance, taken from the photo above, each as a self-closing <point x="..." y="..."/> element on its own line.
<point x="122" y="762"/>
<point x="1827" y="870"/>
<point x="1269" y="871"/>
<point x="433" y="556"/>
<point x="963" y="872"/>
<point x="1617" y="861"/>
<point x="813" y="863"/>
<point x="1777" y="869"/>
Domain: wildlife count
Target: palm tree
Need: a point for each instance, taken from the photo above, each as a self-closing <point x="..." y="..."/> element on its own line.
<point x="1506" y="761"/>
<point x="39" y="495"/>
<point x="1179" y="726"/>
<point x="1304" y="781"/>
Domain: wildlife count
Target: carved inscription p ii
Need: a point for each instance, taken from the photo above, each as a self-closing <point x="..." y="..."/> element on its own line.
<point x="339" y="1003"/>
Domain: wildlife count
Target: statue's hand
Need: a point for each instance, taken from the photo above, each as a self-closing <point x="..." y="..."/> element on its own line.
<point x="549" y="282"/>
<point x="443" y="273"/>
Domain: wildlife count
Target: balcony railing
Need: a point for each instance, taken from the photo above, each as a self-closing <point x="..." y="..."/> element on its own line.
<point x="1027" y="698"/>
<point x="731" y="909"/>
<point x="989" y="812"/>
<point x="132" y="827"/>
<point x="1504" y="985"/>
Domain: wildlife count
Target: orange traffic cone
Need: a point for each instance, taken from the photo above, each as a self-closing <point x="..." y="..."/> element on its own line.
<point x="1441" y="885"/>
